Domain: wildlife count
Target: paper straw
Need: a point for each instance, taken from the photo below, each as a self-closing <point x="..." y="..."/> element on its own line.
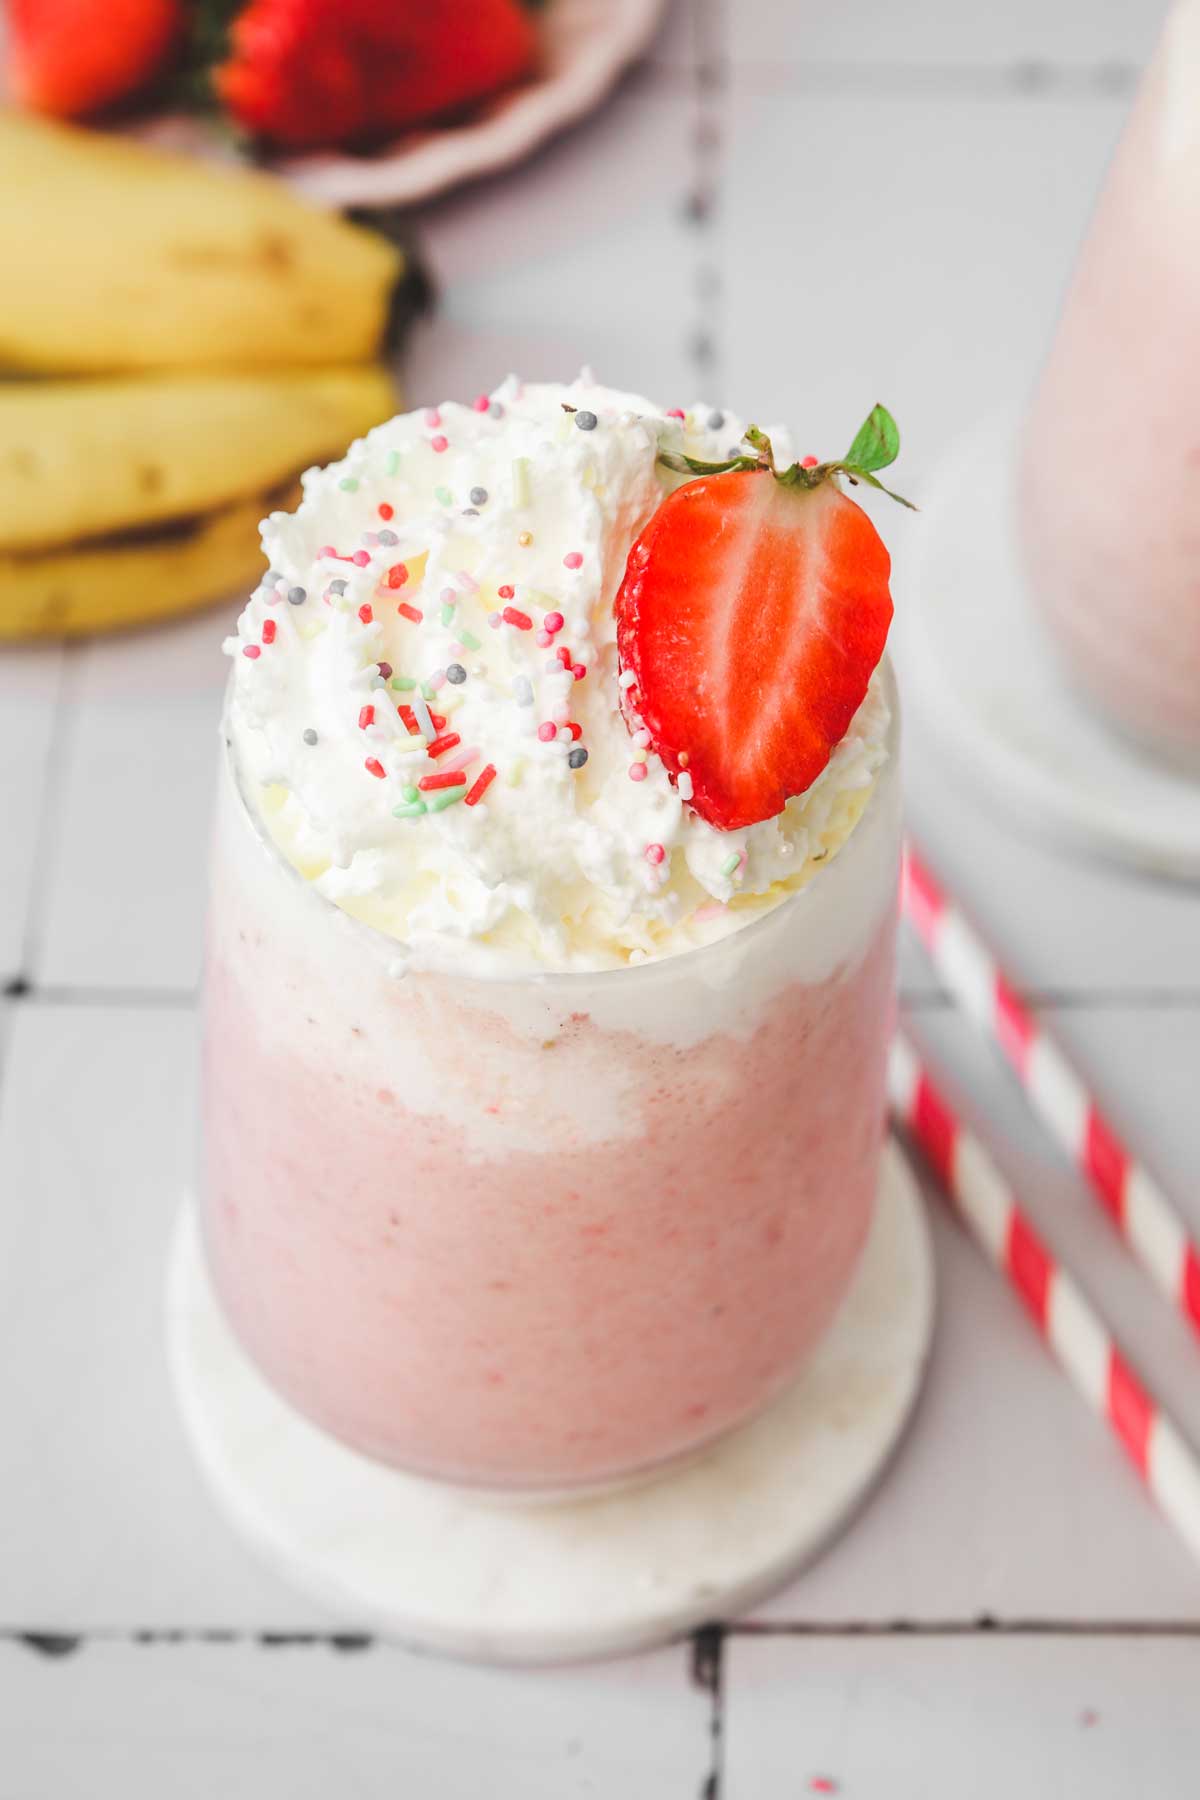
<point x="1149" y="1223"/>
<point x="1081" y="1343"/>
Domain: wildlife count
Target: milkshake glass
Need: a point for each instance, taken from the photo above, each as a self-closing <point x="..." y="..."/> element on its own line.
<point x="529" y="1226"/>
<point x="1110" y="478"/>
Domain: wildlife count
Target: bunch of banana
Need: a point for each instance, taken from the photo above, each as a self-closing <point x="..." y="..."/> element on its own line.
<point x="177" y="342"/>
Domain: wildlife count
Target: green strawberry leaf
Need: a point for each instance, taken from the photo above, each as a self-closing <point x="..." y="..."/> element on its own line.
<point x="877" y="443"/>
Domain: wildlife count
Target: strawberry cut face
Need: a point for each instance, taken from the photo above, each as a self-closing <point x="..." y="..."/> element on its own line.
<point x="751" y="616"/>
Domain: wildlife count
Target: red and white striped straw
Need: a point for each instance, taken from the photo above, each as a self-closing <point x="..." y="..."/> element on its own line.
<point x="1150" y="1224"/>
<point x="1077" y="1336"/>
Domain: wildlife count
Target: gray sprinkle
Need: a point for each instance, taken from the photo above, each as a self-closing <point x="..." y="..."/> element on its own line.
<point x="272" y="578"/>
<point x="389" y="538"/>
<point x="470" y="512"/>
<point x="586" y="421"/>
<point x="577" y="757"/>
<point x="456" y="673"/>
<point x="495" y="409"/>
<point x="297" y="596"/>
<point x="310" y="736"/>
<point x="733" y="450"/>
<point x="715" y="421"/>
<point x="479" y="496"/>
<point x="337" y="587"/>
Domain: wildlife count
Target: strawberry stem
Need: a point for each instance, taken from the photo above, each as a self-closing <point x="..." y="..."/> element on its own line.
<point x="876" y="444"/>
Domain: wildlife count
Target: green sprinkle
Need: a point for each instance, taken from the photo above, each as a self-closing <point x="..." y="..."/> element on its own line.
<point x="520" y="476"/>
<point x="348" y="484"/>
<point x="428" y="689"/>
<point x="410" y="793"/>
<point x="403" y="684"/>
<point x="392" y="464"/>
<point x="515" y="770"/>
<point x="467" y="638"/>
<point x="412" y="810"/>
<point x="731" y="863"/>
<point x="448" y="613"/>
<point x="444" y="495"/>
<point x="446" y="797"/>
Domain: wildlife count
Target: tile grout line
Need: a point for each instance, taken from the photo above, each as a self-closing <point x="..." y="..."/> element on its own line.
<point x="1022" y="79"/>
<point x="53" y="794"/>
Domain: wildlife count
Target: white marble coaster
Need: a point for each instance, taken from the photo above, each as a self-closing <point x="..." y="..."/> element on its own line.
<point x="976" y="666"/>
<point x="523" y="1583"/>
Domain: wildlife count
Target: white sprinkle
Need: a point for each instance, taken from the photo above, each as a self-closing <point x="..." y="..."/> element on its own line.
<point x="641" y="738"/>
<point x="684" y="784"/>
<point x="522" y="690"/>
<point x="626" y="678"/>
<point x="421" y="709"/>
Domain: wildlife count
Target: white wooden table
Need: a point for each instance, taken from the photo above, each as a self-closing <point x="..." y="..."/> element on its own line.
<point x="800" y="208"/>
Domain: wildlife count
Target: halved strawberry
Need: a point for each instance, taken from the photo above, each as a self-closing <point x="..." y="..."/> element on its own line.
<point x="754" y="607"/>
<point x="74" y="57"/>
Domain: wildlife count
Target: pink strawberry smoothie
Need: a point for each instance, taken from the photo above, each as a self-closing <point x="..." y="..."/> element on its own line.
<point x="1110" y="490"/>
<point x="543" y="1233"/>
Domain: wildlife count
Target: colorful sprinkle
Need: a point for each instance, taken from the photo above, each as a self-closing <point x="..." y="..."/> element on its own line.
<point x="268" y="631"/>
<point x="715" y="421"/>
<point x="676" y="412"/>
<point x="439" y="443"/>
<point x="337" y="587"/>
<point x="553" y="621"/>
<point x="575" y="730"/>
<point x="365" y="613"/>
<point x="637" y="771"/>
<point x="573" y="560"/>
<point x="467" y="580"/>
<point x="577" y="757"/>
<point x="479" y="496"/>
<point x="513" y="616"/>
<point x="433" y="417"/>
<point x="642" y="738"/>
<point x="251" y="650"/>
<point x="412" y="809"/>
<point x="547" y="731"/>
<point x="397" y="575"/>
<point x="348" y="484"/>
<point x="360" y="558"/>
<point x="456" y="674"/>
<point x="429" y="784"/>
<point x="481" y="403"/>
<point x="385" y="511"/>
<point x="471" y="642"/>
<point x="425" y="719"/>
<point x="525" y="538"/>
<point x="483" y="782"/>
<point x="507" y="592"/>
<point x="586" y="421"/>
<point x="297" y="596"/>
<point x="387" y="538"/>
<point x="391" y="465"/>
<point x="543" y="640"/>
<point x="403" y="684"/>
<point x="384" y="670"/>
<point x="309" y="735"/>
<point x="579" y="670"/>
<point x="441" y="744"/>
<point x="447" y="614"/>
<point x="366" y="716"/>
<point x="808" y="462"/>
<point x="729" y="866"/>
<point x="655" y="854"/>
<point x="443" y="496"/>
<point x="410" y="612"/>
<point x="440" y="802"/>
<point x="626" y="679"/>
<point x="373" y="766"/>
<point x="429" y="688"/>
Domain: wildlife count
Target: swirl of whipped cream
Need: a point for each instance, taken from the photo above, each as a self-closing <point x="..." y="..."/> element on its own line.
<point x="460" y="565"/>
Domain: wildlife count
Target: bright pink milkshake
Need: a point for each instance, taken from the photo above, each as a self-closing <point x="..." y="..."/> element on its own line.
<point x="545" y="1210"/>
<point x="1110" y="491"/>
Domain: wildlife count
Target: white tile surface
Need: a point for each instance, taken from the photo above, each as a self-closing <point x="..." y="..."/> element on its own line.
<point x="312" y="1723"/>
<point x="785" y="39"/>
<point x="947" y="1718"/>
<point x="30" y="684"/>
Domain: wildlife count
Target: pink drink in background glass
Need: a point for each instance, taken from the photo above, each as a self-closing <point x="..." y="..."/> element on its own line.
<point x="540" y="1232"/>
<point x="1110" y="483"/>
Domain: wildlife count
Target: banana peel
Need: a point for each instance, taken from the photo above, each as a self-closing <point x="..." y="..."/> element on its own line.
<point x="125" y="501"/>
<point x="123" y="257"/>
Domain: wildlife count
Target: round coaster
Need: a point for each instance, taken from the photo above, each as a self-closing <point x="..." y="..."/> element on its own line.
<point x="977" y="668"/>
<point x="500" y="1581"/>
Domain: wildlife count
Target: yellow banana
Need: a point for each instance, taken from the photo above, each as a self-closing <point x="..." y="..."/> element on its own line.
<point x="122" y="257"/>
<point x="126" y="500"/>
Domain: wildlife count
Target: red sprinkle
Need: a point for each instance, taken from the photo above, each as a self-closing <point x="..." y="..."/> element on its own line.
<point x="564" y="656"/>
<point x="483" y="782"/>
<point x="575" y="730"/>
<point x="506" y="592"/>
<point x="439" y="443"/>
<point x="437" y="720"/>
<point x="440" y="745"/>
<point x="655" y="853"/>
<point x="365" y="613"/>
<point x="808" y="462"/>
<point x="251" y="650"/>
<point x="481" y="403"/>
<point x="374" y="767"/>
<point x="512" y="616"/>
<point x="553" y="621"/>
<point x="573" y="560"/>
<point x="397" y="575"/>
<point x="638" y="771"/>
<point x="386" y="512"/>
<point x="823" y="1784"/>
<point x="268" y="631"/>
<point x="451" y="778"/>
<point x="579" y="670"/>
<point x="360" y="558"/>
<point x="366" y="717"/>
<point x="676" y="412"/>
<point x="410" y="612"/>
<point x="547" y="732"/>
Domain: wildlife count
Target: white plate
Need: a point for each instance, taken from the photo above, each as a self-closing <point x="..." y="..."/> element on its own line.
<point x="976" y="667"/>
<point x="586" y="45"/>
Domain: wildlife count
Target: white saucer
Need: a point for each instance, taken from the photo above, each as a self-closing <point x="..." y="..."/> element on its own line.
<point x="976" y="669"/>
<point x="526" y="1583"/>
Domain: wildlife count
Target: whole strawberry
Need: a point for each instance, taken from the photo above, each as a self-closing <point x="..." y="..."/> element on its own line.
<point x="754" y="608"/>
<point x="310" y="73"/>
<point x="74" y="57"/>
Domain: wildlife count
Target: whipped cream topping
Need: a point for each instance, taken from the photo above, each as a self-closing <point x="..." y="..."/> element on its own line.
<point x="452" y="578"/>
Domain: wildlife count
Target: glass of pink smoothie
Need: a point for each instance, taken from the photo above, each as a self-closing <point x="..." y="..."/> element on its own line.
<point x="546" y="1232"/>
<point x="1110" y="478"/>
